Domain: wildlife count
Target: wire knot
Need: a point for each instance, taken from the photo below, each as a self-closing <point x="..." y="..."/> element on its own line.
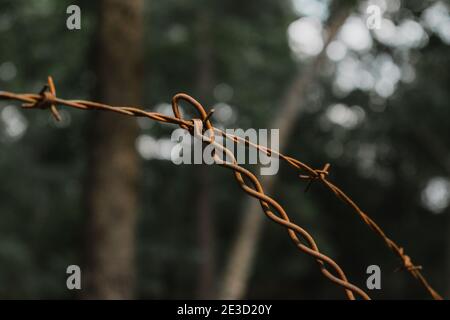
<point x="407" y="263"/>
<point x="318" y="174"/>
<point x="46" y="100"/>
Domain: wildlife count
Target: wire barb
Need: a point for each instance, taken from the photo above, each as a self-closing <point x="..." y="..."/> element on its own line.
<point x="274" y="211"/>
<point x="47" y="98"/>
<point x="318" y="174"/>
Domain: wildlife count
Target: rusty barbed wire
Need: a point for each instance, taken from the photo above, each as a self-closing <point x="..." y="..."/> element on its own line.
<point x="47" y="99"/>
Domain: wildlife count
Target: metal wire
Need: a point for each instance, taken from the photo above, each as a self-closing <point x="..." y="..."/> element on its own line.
<point x="47" y="99"/>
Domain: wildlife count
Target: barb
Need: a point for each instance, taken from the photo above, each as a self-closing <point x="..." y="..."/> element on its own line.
<point x="197" y="126"/>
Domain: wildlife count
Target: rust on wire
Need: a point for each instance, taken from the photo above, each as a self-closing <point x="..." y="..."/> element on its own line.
<point x="249" y="183"/>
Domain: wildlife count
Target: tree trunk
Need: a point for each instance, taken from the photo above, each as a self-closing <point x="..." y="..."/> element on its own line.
<point x="239" y="265"/>
<point x="113" y="164"/>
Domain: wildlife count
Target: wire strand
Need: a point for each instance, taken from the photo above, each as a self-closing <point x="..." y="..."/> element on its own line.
<point x="47" y="99"/>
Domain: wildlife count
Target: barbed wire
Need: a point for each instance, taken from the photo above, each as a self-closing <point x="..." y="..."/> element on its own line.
<point x="202" y="129"/>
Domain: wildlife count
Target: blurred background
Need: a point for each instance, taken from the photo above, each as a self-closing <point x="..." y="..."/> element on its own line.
<point x="99" y="190"/>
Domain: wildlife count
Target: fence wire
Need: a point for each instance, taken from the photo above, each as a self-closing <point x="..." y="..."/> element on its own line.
<point x="198" y="127"/>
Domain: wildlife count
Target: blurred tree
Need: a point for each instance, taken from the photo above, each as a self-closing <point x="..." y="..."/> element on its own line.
<point x="240" y="263"/>
<point x="113" y="167"/>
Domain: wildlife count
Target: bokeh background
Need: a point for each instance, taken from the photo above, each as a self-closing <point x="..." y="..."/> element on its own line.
<point x="100" y="191"/>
